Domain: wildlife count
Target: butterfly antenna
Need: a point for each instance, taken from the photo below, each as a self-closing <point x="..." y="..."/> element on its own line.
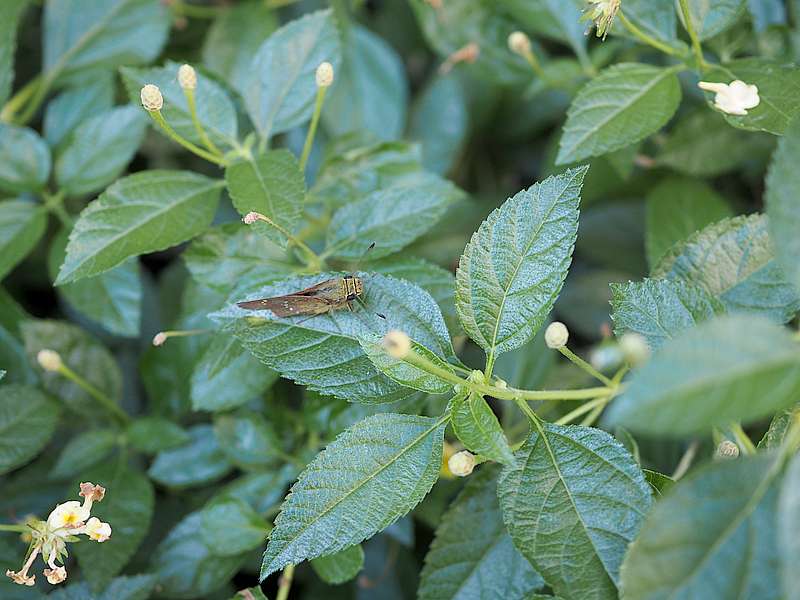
<point x="363" y="257"/>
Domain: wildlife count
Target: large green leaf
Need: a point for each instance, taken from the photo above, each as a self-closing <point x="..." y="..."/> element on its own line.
<point x="711" y="536"/>
<point x="391" y="218"/>
<point x="80" y="352"/>
<point x="99" y="150"/>
<point x="134" y="587"/>
<point x="197" y="463"/>
<point x="789" y="532"/>
<point x="231" y="527"/>
<point x="227" y="376"/>
<point x="154" y="434"/>
<point x="370" y="92"/>
<point x="113" y="299"/>
<point x="623" y="105"/>
<point x="24" y="159"/>
<point x="514" y="266"/>
<point x="574" y="494"/>
<point x="215" y="110"/>
<point x="783" y="203"/>
<point x="477" y="427"/>
<point x="8" y="44"/>
<point x="27" y="421"/>
<point x="659" y="309"/>
<point x="371" y="475"/>
<point x="735" y="261"/>
<point x="79" y="35"/>
<point x="186" y="564"/>
<point x="22" y="224"/>
<point x="323" y="352"/>
<point x="712" y="18"/>
<point x="128" y="508"/>
<point x="280" y="86"/>
<point x="75" y="105"/>
<point x="472" y="555"/>
<point x="733" y="368"/>
<point x="778" y="87"/>
<point x="341" y="567"/>
<point x="271" y="184"/>
<point x="247" y="439"/>
<point x="83" y="451"/>
<point x="676" y="208"/>
<point x="234" y="37"/>
<point x="140" y="213"/>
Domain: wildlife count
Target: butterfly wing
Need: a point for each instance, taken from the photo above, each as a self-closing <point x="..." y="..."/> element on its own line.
<point x="289" y="306"/>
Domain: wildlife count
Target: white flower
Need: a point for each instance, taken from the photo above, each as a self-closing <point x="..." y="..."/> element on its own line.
<point x="519" y="43"/>
<point x="68" y="515"/>
<point x="556" y="335"/>
<point x="324" y="75"/>
<point x="634" y="348"/>
<point x="187" y="77"/>
<point x="97" y="530"/>
<point x="397" y="344"/>
<point x="49" y="360"/>
<point x="461" y="463"/>
<point x="159" y="338"/>
<point x="152" y="100"/>
<point x="733" y="98"/>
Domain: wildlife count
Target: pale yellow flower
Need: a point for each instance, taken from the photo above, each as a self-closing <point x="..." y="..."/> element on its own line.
<point x="69" y="515"/>
<point x="97" y="530"/>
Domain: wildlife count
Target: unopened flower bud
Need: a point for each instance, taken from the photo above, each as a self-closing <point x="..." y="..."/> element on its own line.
<point x="50" y="360"/>
<point x="152" y="100"/>
<point x="187" y="77"/>
<point x="324" y="75"/>
<point x="519" y="43"/>
<point x="461" y="463"/>
<point x="556" y="335"/>
<point x="397" y="344"/>
<point x="252" y="217"/>
<point x="159" y="338"/>
<point x="606" y="358"/>
<point x="726" y="450"/>
<point x="634" y="348"/>
<point x="467" y="54"/>
<point x="733" y="98"/>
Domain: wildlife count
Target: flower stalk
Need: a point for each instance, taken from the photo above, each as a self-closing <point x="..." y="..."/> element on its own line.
<point x="324" y="78"/>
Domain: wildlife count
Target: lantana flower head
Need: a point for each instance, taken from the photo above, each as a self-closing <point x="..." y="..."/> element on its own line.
<point x="50" y="537"/>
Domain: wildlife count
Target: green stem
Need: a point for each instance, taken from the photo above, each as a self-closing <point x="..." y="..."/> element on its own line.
<point x="490" y="364"/>
<point x="582" y="410"/>
<point x="527" y="410"/>
<point x="159" y="119"/>
<point x="54" y="203"/>
<point x="534" y="63"/>
<point x="36" y="100"/>
<point x="17" y="528"/>
<point x="285" y="583"/>
<point x="314" y="262"/>
<point x="107" y="402"/>
<point x="592" y="416"/>
<point x="696" y="45"/>
<point x="198" y="126"/>
<point x="19" y="99"/>
<point x="312" y="130"/>
<point x="578" y="361"/>
<point x="647" y="39"/>
<point x="742" y="439"/>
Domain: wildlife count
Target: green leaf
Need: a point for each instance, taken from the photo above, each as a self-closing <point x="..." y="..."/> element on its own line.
<point x="234" y="37"/>
<point x="391" y="218"/>
<point x="187" y="566"/>
<point x="84" y="451"/>
<point x="659" y="309"/>
<point x="477" y="427"/>
<point x="387" y="462"/>
<point x="80" y="352"/>
<point x="766" y="13"/>
<point x="623" y="105"/>
<point x="789" y="518"/>
<point x="262" y="490"/>
<point x="712" y="375"/>
<point x="778" y="428"/>
<point x="783" y="206"/>
<point x="255" y="593"/>
<point x="197" y="463"/>
<point x="280" y="86"/>
<point x="574" y="494"/>
<point x="712" y="18"/>
<point x="712" y="536"/>
<point x="8" y="44"/>
<point x="440" y="123"/>
<point x="74" y="106"/>
<point x="403" y="372"/>
<point x="472" y="555"/>
<point x="154" y="434"/>
<point x="676" y="208"/>
<point x="27" y="421"/>
<point x="370" y="92"/>
<point x="227" y="376"/>
<point x="136" y="587"/>
<point x="24" y="159"/>
<point x="113" y="299"/>
<point x="138" y="214"/>
<point x="656" y="18"/>
<point x="271" y="184"/>
<point x="778" y="87"/>
<point x="128" y="507"/>
<point x="231" y="527"/>
<point x="323" y="352"/>
<point x="735" y="261"/>
<point x="514" y="266"/>
<point x="99" y="149"/>
<point x="22" y="224"/>
<point x="215" y="110"/>
<point x="227" y="255"/>
<point x="659" y="482"/>
<point x="341" y="567"/>
<point x="80" y="35"/>
<point x="247" y="439"/>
